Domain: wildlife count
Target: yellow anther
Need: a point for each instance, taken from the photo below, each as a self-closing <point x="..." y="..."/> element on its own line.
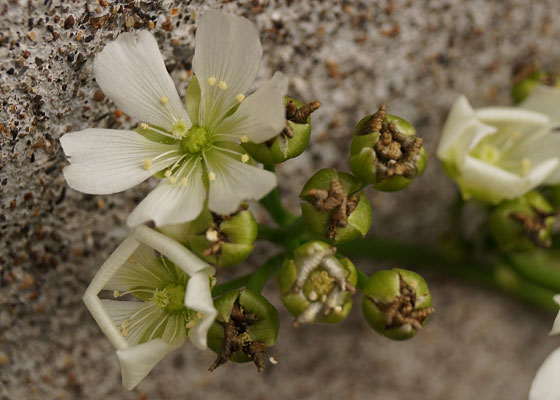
<point x="222" y="85"/>
<point x="338" y="309"/>
<point x="172" y="180"/>
<point x="240" y="97"/>
<point x="526" y="166"/>
<point x="125" y="332"/>
<point x="144" y="125"/>
<point x="211" y="176"/>
<point x="132" y="259"/>
<point x="244" y="138"/>
<point x="164" y="100"/>
<point x="199" y="315"/>
<point x="116" y="293"/>
<point x="184" y="181"/>
<point x="245" y="158"/>
<point x="190" y="324"/>
<point x="147" y="163"/>
<point x="212" y="80"/>
<point x="323" y="298"/>
<point x="313" y="295"/>
<point x="212" y="235"/>
<point x="167" y="173"/>
<point x="272" y="360"/>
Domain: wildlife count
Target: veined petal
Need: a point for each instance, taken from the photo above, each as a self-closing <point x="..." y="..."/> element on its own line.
<point x="199" y="298"/>
<point x="137" y="361"/>
<point x="235" y="182"/>
<point x="226" y="60"/>
<point x="262" y="115"/>
<point x="171" y="203"/>
<point x="460" y="117"/>
<point x="131" y="71"/>
<point x="512" y="115"/>
<point x="546" y="100"/>
<point x="105" y="161"/>
<point x="556" y="326"/>
<point x="546" y="385"/>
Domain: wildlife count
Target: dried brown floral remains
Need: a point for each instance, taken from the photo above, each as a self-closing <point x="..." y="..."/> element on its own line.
<point x="236" y="339"/>
<point x="298" y="115"/>
<point x="215" y="235"/>
<point x="401" y="311"/>
<point x="334" y="200"/>
<point x="534" y="225"/>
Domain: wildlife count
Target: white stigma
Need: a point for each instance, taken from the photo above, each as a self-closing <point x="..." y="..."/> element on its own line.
<point x="240" y="97"/>
<point x="164" y="100"/>
<point x="167" y="173"/>
<point x="245" y="158"/>
<point x="244" y="138"/>
<point x="222" y="85"/>
<point x="212" y="235"/>
<point x="211" y="176"/>
<point x="212" y="80"/>
<point x="147" y="164"/>
<point x="144" y="125"/>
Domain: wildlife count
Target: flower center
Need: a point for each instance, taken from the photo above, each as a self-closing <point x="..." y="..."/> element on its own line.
<point x="489" y="153"/>
<point x="171" y="298"/>
<point x="319" y="284"/>
<point x="195" y="140"/>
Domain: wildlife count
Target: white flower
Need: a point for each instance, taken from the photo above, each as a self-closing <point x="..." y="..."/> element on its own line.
<point x="499" y="153"/>
<point x="194" y="148"/>
<point x="167" y="292"/>
<point x="546" y="385"/>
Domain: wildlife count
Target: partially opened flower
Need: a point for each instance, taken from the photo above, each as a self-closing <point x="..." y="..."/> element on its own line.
<point x="165" y="291"/>
<point x="546" y="385"/>
<point x="195" y="149"/>
<point x="499" y="153"/>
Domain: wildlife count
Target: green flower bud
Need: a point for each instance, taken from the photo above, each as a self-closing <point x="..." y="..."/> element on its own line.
<point x="526" y="77"/>
<point x="335" y="207"/>
<point x="317" y="286"/>
<point x="293" y="139"/>
<point x="246" y="325"/>
<point x="523" y="223"/>
<point x="386" y="152"/>
<point x="396" y="303"/>
<point x="223" y="240"/>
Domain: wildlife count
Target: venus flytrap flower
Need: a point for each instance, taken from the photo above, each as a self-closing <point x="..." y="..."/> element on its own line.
<point x="194" y="149"/>
<point x="499" y="153"/>
<point x="166" y="291"/>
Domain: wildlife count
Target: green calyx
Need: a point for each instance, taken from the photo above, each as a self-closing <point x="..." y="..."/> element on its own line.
<point x="396" y="303"/>
<point x="195" y="140"/>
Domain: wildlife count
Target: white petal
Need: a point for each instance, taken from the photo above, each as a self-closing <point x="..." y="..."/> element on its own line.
<point x="546" y="385"/>
<point x="173" y="250"/>
<point x="262" y="115"/>
<point x="192" y="100"/>
<point x="546" y="100"/>
<point x="171" y="203"/>
<point x="199" y="298"/>
<point x="235" y="182"/>
<point x="512" y="115"/>
<point x="227" y="49"/>
<point x="132" y="73"/>
<point x="460" y="117"/>
<point x="556" y="326"/>
<point x="137" y="361"/>
<point x="105" y="161"/>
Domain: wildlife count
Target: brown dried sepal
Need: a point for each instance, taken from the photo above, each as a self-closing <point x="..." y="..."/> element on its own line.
<point x="237" y="340"/>
<point x="334" y="200"/>
<point x="401" y="311"/>
<point x="216" y="246"/>
<point x="533" y="225"/>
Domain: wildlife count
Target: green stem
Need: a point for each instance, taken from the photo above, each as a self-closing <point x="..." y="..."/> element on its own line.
<point x="265" y="272"/>
<point x="273" y="205"/>
<point x="237" y="283"/>
<point x="362" y="279"/>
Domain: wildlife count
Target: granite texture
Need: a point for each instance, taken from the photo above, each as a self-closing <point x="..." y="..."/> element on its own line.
<point x="414" y="56"/>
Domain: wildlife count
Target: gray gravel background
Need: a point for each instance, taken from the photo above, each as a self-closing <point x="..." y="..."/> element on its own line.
<point x="415" y="56"/>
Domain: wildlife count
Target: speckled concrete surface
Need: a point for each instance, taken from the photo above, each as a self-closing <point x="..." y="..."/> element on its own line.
<point x="415" y="56"/>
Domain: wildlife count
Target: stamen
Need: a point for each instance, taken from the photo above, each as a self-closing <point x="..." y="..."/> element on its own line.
<point x="240" y="97"/>
<point x="167" y="173"/>
<point x="211" y="176"/>
<point x="116" y="293"/>
<point x="222" y="85"/>
<point x="147" y="164"/>
<point x="245" y="158"/>
<point x="199" y="315"/>
<point x="338" y="309"/>
<point x="313" y="295"/>
<point x="212" y="235"/>
<point x="184" y="181"/>
<point x="164" y="100"/>
<point x="190" y="324"/>
<point x="212" y="80"/>
<point x="172" y="180"/>
<point x="244" y="138"/>
<point x="144" y="125"/>
<point x="272" y="360"/>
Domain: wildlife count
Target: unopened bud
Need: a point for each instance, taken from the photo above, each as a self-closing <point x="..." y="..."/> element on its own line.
<point x="293" y="139"/>
<point x="316" y="285"/>
<point x="334" y="207"/>
<point x="396" y="303"/>
<point x="246" y="325"/>
<point x="386" y="152"/>
<point x="526" y="77"/>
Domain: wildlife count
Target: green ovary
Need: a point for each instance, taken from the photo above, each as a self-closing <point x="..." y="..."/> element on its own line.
<point x="171" y="298"/>
<point x="319" y="282"/>
<point x="196" y="139"/>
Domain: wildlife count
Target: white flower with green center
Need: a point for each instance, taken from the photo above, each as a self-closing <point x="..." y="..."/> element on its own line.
<point x="194" y="148"/>
<point x="499" y="153"/>
<point x="161" y="295"/>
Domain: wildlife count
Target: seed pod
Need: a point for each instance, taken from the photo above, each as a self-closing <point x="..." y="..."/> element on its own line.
<point x="522" y="224"/>
<point x="396" y="303"/>
<point x="334" y="207"/>
<point x="386" y="152"/>
<point x="246" y="325"/>
<point x="316" y="285"/>
<point x="223" y="240"/>
<point x="293" y="139"/>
